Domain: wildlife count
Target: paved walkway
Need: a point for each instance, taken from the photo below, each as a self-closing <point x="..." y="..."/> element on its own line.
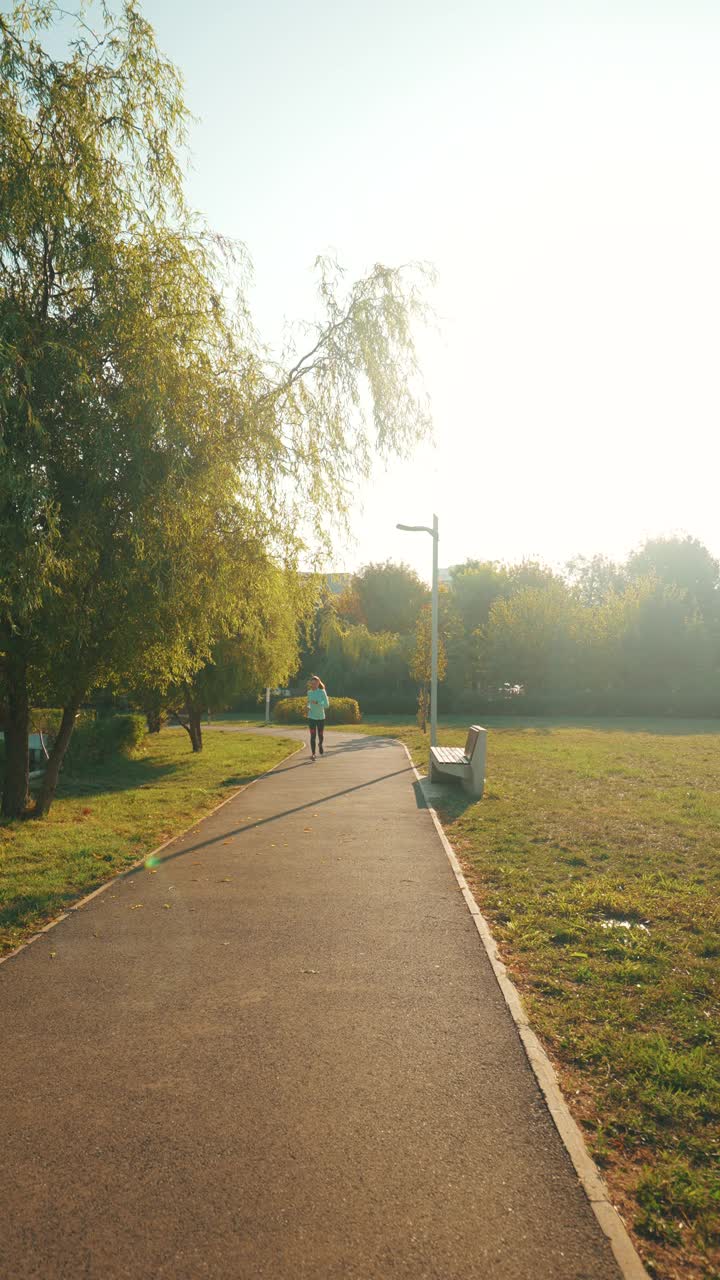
<point x="301" y="1066"/>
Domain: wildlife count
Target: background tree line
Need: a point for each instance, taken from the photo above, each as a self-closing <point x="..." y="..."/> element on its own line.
<point x="597" y="638"/>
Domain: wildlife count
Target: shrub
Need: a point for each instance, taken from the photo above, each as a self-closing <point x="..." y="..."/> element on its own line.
<point x="47" y="720"/>
<point x="343" y="711"/>
<point x="95" y="742"/>
<point x="340" y="711"/>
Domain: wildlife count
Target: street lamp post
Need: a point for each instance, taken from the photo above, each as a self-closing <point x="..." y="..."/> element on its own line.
<point x="423" y="528"/>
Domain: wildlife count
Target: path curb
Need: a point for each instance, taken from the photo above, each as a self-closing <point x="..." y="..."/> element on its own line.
<point x="608" y="1218"/>
<point x="135" y="866"/>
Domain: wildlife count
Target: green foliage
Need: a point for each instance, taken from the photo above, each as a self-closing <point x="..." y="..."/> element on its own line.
<point x="603" y="640"/>
<point x="475" y="585"/>
<point x="682" y="563"/>
<point x="97" y="741"/>
<point x="355" y="661"/>
<point x="47" y="719"/>
<point x="420" y="665"/>
<point x="343" y="711"/>
<point x="264" y="651"/>
<point x="593" y="581"/>
<point x="389" y="596"/>
<point x="294" y="711"/>
<point x="528" y="638"/>
<point x="156" y="468"/>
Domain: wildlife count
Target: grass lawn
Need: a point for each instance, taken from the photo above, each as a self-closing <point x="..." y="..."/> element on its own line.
<point x="595" y="855"/>
<point x="104" y="822"/>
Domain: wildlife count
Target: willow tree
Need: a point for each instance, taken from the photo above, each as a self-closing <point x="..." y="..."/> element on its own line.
<point x="263" y="649"/>
<point x="149" y="449"/>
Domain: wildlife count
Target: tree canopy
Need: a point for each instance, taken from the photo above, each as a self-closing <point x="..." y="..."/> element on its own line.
<point x="152" y="455"/>
<point x="386" y="597"/>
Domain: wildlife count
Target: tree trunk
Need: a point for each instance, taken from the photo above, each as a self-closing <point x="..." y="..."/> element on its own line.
<point x="16" y="730"/>
<point x="189" y="720"/>
<point x="154" y="721"/>
<point x="193" y="725"/>
<point x="423" y="708"/>
<point x="57" y="755"/>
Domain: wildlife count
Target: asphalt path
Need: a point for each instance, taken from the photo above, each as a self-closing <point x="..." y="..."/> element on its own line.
<point x="281" y="1053"/>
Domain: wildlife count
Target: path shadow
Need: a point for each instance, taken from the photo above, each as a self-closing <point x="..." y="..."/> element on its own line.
<point x="360" y="744"/>
<point x="357" y="744"/>
<point x="226" y="833"/>
<point x="448" y="799"/>
<point x="128" y="776"/>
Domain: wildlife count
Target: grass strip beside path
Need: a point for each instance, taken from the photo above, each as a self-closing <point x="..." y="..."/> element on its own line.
<point x="105" y="821"/>
<point x="595" y="855"/>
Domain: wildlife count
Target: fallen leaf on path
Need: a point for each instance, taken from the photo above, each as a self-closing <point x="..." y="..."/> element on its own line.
<point x="53" y="955"/>
<point x="137" y="906"/>
<point x="310" y="970"/>
<point x="225" y="880"/>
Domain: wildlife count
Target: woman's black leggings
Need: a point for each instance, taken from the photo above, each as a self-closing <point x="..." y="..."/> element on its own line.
<point x="318" y="725"/>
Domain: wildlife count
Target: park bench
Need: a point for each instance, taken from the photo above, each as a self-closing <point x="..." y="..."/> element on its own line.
<point x="468" y="765"/>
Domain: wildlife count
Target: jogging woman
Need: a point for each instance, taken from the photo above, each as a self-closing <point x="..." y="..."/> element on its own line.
<point x="317" y="701"/>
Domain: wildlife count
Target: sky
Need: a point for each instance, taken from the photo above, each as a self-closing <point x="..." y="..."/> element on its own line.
<point x="558" y="164"/>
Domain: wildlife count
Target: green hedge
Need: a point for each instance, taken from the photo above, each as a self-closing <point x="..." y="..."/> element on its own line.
<point x="294" y="711"/>
<point x="47" y="719"/>
<point x="97" y="741"/>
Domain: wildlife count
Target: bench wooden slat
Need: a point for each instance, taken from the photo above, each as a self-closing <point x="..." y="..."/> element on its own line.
<point x="469" y="765"/>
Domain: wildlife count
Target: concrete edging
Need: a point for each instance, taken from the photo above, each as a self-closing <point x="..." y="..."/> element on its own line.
<point x="135" y="866"/>
<point x="608" y="1218"/>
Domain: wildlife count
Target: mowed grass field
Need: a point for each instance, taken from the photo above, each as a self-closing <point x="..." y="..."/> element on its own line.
<point x="595" y="855"/>
<point x="103" y="822"/>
